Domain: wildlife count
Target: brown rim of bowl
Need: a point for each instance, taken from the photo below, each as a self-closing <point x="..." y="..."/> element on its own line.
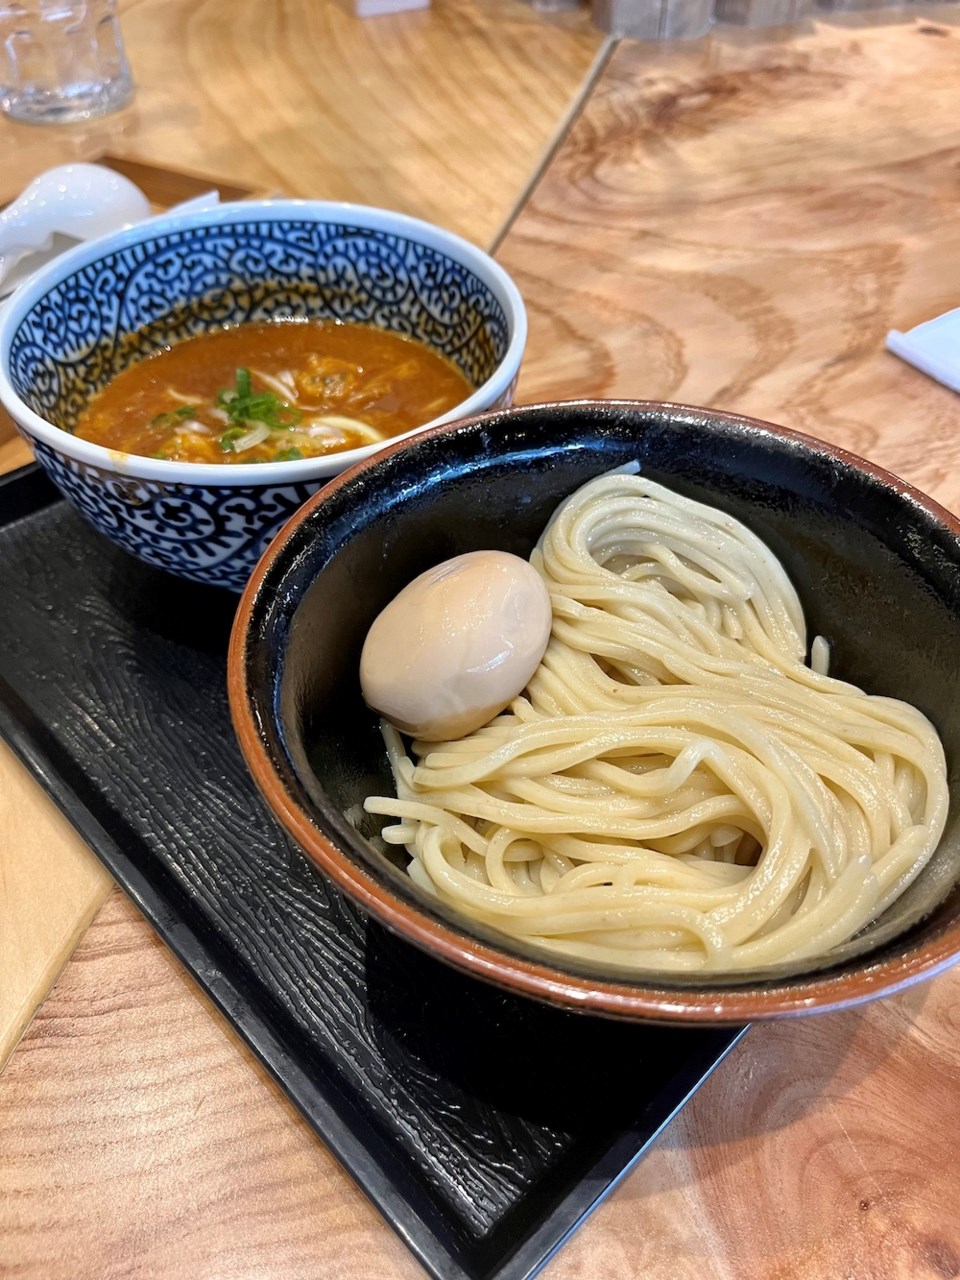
<point x="528" y="977"/>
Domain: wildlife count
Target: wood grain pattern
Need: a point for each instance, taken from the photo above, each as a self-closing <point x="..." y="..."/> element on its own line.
<point x="38" y="930"/>
<point x="134" y="1114"/>
<point x="737" y="223"/>
<point x="821" y="1148"/>
<point x="403" y="111"/>
<point x="413" y="111"/>
<point x="14" y="451"/>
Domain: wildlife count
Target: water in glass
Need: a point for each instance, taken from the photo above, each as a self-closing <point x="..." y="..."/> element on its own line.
<point x="61" y="60"/>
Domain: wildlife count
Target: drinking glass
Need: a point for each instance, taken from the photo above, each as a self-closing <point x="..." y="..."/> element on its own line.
<point x="61" y="60"/>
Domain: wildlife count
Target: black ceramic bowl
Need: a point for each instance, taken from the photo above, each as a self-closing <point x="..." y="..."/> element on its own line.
<point x="877" y="566"/>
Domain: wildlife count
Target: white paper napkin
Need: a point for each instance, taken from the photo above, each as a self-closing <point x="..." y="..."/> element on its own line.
<point x="933" y="347"/>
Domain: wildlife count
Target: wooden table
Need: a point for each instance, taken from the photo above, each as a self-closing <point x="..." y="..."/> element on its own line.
<point x="734" y="222"/>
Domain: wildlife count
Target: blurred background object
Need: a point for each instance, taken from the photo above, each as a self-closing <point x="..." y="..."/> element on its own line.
<point x="376" y="8"/>
<point x="556" y="6"/>
<point x="672" y="19"/>
<point x="61" y="60"/>
<point x="858" y="5"/>
<point x="762" y="13"/>
<point x="654" y="19"/>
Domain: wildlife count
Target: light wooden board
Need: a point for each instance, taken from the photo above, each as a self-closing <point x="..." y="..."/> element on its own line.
<point x="50" y="888"/>
<point x="442" y="113"/>
<point x="14" y="452"/>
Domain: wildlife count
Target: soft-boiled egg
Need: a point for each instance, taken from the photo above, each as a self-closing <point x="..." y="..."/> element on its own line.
<point x="456" y="645"/>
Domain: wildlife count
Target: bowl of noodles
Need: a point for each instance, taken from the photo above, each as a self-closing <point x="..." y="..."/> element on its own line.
<point x="729" y="789"/>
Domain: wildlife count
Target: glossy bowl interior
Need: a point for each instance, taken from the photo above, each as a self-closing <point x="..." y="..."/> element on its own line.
<point x="877" y="566"/>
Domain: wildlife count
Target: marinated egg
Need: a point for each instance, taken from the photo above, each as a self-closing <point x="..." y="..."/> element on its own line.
<point x="456" y="645"/>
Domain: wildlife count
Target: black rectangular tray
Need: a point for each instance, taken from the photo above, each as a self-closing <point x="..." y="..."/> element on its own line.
<point x="483" y="1127"/>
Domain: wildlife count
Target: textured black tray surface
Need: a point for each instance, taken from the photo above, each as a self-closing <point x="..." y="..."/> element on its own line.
<point x="484" y="1127"/>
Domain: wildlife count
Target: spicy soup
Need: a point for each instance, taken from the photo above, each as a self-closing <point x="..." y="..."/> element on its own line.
<point x="273" y="392"/>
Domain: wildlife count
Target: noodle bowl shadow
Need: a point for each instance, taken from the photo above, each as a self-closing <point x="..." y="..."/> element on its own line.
<point x="877" y="568"/>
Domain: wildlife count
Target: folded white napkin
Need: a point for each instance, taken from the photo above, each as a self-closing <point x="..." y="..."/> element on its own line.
<point x="933" y="347"/>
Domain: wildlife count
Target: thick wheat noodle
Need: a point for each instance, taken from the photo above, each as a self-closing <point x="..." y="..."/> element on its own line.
<point x="676" y="789"/>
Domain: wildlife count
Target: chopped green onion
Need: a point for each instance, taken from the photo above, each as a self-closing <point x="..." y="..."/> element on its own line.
<point x="287" y="455"/>
<point x="244" y="405"/>
<point x="173" y="416"/>
<point x="228" y="437"/>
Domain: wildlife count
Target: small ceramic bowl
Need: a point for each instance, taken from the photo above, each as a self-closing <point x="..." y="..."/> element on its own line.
<point x="80" y="320"/>
<point x="877" y="566"/>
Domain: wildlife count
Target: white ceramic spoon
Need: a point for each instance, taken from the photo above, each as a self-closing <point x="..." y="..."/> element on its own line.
<point x="79" y="201"/>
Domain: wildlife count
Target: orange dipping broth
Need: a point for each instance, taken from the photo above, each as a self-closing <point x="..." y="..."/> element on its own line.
<point x="272" y="392"/>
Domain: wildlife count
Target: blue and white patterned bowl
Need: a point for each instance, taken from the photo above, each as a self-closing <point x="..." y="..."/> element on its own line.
<point x="79" y="321"/>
